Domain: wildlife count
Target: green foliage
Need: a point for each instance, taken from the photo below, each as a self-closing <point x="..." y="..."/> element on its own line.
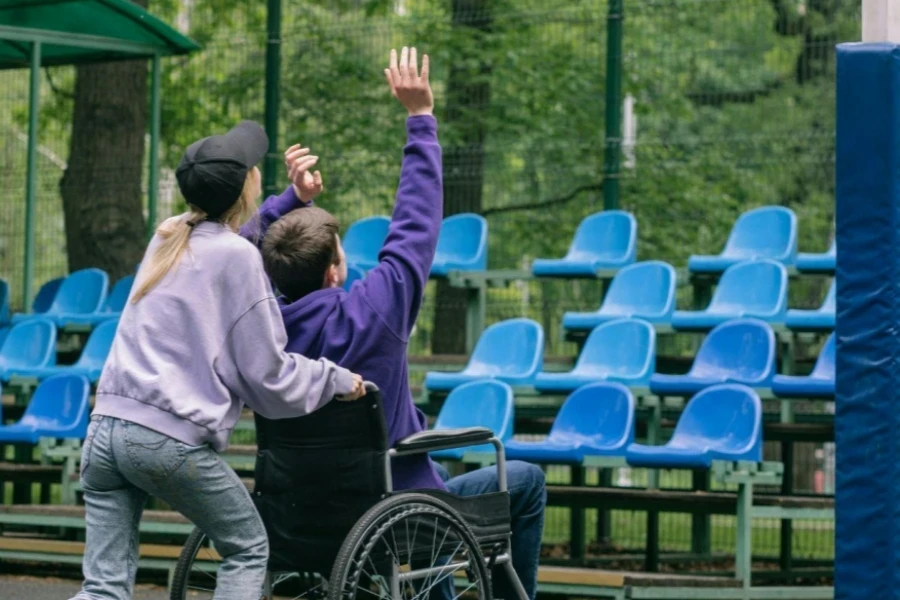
<point x="734" y="101"/>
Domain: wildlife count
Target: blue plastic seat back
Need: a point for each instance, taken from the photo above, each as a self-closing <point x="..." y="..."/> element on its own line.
<point x="45" y="296"/>
<point x="830" y="303"/>
<point x="463" y="238"/>
<point x="723" y="418"/>
<point x="607" y="235"/>
<point x="28" y="344"/>
<point x="364" y="238"/>
<point x="623" y="348"/>
<point x="741" y="349"/>
<point x="602" y="413"/>
<point x="98" y="345"/>
<point x="82" y="292"/>
<point x="510" y="347"/>
<point x="765" y="232"/>
<point x="60" y="402"/>
<point x="4" y="302"/>
<point x="485" y="403"/>
<point x="118" y="297"/>
<point x="354" y="274"/>
<point x="645" y="288"/>
<point x="757" y="286"/>
<point x="825" y="368"/>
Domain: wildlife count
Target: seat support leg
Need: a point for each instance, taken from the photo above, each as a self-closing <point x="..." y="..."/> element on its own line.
<point x="604" y="523"/>
<point x="743" y="550"/>
<point x="576" y="519"/>
<point x="700" y="523"/>
<point x="476" y="298"/>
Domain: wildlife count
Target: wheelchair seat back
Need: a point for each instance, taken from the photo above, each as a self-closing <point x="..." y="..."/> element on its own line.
<point x="315" y="477"/>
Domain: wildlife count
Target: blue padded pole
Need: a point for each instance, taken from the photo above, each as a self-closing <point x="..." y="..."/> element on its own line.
<point x="867" y="421"/>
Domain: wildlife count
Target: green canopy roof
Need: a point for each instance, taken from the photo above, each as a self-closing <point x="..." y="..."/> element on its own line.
<point x="80" y="31"/>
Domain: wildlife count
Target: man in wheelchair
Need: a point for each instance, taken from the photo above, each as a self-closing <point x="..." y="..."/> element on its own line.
<point x="367" y="331"/>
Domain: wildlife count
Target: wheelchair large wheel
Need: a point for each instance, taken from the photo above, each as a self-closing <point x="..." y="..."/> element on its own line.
<point x="194" y="577"/>
<point x="410" y="547"/>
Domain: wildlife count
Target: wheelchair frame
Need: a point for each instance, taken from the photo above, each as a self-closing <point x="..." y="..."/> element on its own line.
<point x="421" y="443"/>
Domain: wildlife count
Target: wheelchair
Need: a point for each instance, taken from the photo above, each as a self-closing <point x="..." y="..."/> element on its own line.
<point x="338" y="531"/>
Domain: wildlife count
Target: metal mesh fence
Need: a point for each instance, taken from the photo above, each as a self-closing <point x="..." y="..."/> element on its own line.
<point x="729" y="105"/>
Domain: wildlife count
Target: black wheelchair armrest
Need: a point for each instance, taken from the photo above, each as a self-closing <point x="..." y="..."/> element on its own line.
<point x="442" y="439"/>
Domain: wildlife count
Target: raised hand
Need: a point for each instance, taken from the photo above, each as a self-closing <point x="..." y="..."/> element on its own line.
<point x="408" y="85"/>
<point x="298" y="161"/>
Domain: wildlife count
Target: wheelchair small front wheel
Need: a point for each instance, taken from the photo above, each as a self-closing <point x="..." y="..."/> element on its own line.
<point x="410" y="547"/>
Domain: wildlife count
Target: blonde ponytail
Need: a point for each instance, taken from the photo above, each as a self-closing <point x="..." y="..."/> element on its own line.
<point x="176" y="233"/>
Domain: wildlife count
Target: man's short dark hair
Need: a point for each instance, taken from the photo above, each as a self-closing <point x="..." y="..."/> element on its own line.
<point x="298" y="249"/>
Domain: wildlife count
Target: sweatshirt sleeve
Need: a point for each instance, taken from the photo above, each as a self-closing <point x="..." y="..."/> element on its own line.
<point x="272" y="382"/>
<point x="394" y="289"/>
<point x="270" y="211"/>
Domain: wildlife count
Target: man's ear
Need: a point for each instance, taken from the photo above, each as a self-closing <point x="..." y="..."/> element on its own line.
<point x="331" y="276"/>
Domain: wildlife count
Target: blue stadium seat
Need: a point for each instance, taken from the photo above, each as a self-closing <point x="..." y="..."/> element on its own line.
<point x="4" y="331"/>
<point x="818" y="384"/>
<point x="603" y="241"/>
<point x="118" y="297"/>
<point x="44" y="298"/>
<point x="820" y="319"/>
<point x="28" y="345"/>
<point x="623" y="351"/>
<point x="740" y="351"/>
<point x="354" y="274"/>
<point x="755" y="289"/>
<point x="765" y="232"/>
<point x="596" y="420"/>
<point x="4" y="302"/>
<point x="720" y="423"/>
<point x="644" y="290"/>
<point x="511" y="351"/>
<point x="363" y="241"/>
<point x="112" y="307"/>
<point x="58" y="409"/>
<point x="90" y="363"/>
<point x="81" y="293"/>
<point x="818" y="263"/>
<point x="486" y="403"/>
<point x="462" y="245"/>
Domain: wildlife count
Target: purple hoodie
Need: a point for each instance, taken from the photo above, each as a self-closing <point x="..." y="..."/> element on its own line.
<point x="367" y="329"/>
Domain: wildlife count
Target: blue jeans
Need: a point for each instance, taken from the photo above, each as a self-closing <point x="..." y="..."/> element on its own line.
<point x="527" y="498"/>
<point x="122" y="464"/>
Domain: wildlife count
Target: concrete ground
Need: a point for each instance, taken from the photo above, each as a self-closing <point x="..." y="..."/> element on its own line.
<point x="19" y="587"/>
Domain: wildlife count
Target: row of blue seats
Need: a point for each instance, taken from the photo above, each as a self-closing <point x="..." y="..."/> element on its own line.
<point x="80" y="298"/>
<point x="462" y="244"/>
<point x="740" y="351"/>
<point x="603" y="241"/>
<point x="753" y="288"/>
<point x="29" y="351"/>
<point x="722" y="422"/>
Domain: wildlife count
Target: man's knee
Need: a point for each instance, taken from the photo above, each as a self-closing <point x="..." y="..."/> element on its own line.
<point x="528" y="479"/>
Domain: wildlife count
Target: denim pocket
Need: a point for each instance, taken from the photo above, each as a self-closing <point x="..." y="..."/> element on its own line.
<point x="89" y="443"/>
<point x="152" y="453"/>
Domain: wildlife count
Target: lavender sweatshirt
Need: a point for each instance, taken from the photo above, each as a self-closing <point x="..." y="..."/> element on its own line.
<point x="367" y="329"/>
<point x="207" y="339"/>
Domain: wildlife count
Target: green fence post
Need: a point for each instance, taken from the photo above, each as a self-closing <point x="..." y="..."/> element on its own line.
<point x="612" y="147"/>
<point x="34" y="106"/>
<point x="153" y="175"/>
<point x="273" y="83"/>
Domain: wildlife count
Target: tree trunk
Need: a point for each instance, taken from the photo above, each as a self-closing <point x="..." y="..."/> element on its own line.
<point x="468" y="99"/>
<point x="101" y="188"/>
